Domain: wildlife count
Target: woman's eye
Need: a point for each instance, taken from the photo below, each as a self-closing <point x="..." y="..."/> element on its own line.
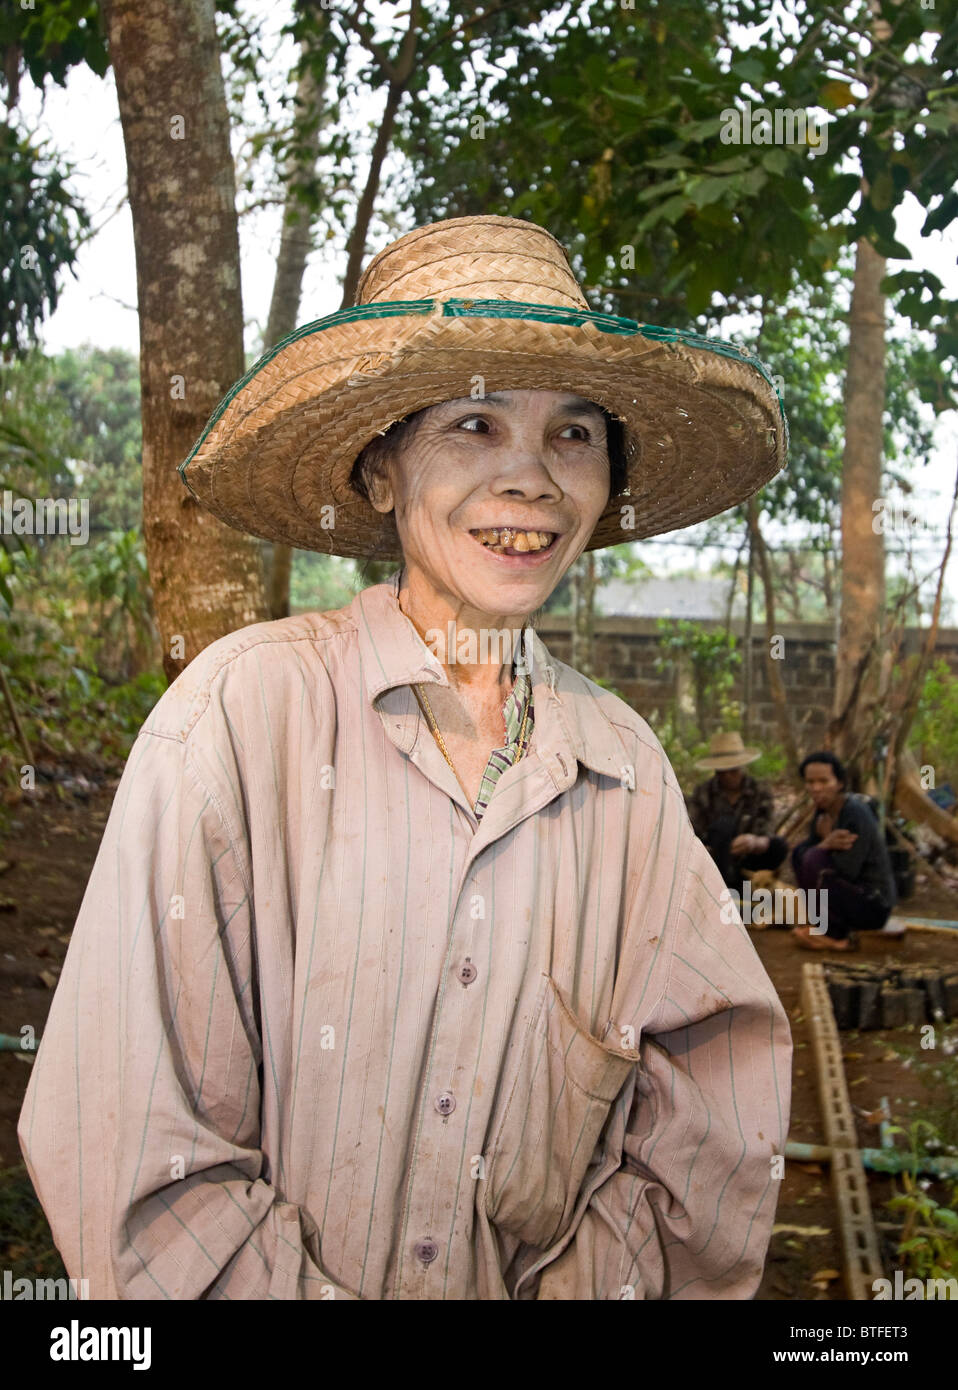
<point x="584" y="432"/>
<point x="472" y="420"/>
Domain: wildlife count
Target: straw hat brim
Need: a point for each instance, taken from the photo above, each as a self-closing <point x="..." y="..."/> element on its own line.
<point x="704" y="425"/>
<point x="724" y="762"/>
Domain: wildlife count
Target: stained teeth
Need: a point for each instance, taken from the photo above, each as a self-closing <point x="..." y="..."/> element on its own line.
<point x="501" y="538"/>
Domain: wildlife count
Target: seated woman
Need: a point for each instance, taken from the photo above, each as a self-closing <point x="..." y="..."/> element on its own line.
<point x="845" y="855"/>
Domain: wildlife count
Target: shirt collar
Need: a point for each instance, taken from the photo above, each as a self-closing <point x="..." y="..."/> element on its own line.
<point x="569" y="719"/>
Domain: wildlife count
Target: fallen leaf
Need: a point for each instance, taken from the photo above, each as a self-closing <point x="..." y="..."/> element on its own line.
<point x="48" y="978"/>
<point x="825" y="1276"/>
<point x="859" y="1081"/>
<point x="853" y="1056"/>
<point x="814" y="1168"/>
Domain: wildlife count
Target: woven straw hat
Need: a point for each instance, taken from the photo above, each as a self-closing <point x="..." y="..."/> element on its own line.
<point x="727" y="751"/>
<point x="469" y="305"/>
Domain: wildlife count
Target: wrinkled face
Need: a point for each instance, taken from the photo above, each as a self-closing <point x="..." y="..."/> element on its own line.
<point x="822" y="784"/>
<point x="495" y="498"/>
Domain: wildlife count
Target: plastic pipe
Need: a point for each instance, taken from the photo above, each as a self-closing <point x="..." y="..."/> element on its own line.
<point x="878" y="1160"/>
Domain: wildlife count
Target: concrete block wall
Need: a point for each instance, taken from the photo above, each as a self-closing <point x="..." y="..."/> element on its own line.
<point x="627" y="649"/>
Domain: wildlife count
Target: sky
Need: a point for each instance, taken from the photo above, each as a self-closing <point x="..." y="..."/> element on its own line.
<point x="99" y="306"/>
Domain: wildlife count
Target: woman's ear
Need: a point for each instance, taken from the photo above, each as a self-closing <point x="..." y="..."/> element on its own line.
<point x="380" y="490"/>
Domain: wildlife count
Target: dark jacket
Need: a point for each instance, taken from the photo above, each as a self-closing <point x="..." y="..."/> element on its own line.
<point x="867" y="863"/>
<point x="752" y="811"/>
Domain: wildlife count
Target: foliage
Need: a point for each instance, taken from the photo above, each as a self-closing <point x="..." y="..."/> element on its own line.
<point x="97" y="393"/>
<point x="76" y="640"/>
<point x="712" y="658"/>
<point x="39" y="232"/>
<point x="934" y="733"/>
<point x="772" y="765"/>
<point x="116" y="583"/>
<point x="928" y="1248"/>
<point x="929" y="1239"/>
<point x="681" y="753"/>
<point x="938" y="1114"/>
<point x="69" y="712"/>
<point x="49" y="38"/>
<point x="320" y="583"/>
<point x="26" y="1243"/>
<point x="73" y="422"/>
<point x="622" y="119"/>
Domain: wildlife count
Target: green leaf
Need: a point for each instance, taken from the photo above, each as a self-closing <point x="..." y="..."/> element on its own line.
<point x="941" y="121"/>
<point x="836" y="195"/>
<point x="672" y="210"/>
<point x="942" y="216"/>
<point x="749" y="70"/>
<point x="775" y="161"/>
<point x="735" y="165"/>
<point x="704" y="190"/>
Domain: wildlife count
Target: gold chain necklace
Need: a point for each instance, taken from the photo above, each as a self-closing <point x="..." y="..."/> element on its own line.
<point x="421" y="696"/>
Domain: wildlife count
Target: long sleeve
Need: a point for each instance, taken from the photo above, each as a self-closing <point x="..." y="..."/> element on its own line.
<point x="141" y="1125"/>
<point x="688" y="1214"/>
<point x="856" y="818"/>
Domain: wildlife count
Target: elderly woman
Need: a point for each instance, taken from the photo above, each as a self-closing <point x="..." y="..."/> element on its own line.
<point x="400" y="972"/>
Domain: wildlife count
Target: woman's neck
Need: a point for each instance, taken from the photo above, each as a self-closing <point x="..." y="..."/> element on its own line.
<point x="476" y="655"/>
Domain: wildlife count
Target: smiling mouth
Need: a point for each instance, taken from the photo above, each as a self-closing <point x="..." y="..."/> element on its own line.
<point x="507" y="540"/>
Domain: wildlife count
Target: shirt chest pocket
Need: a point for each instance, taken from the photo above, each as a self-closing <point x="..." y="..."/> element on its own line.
<point x="548" y="1131"/>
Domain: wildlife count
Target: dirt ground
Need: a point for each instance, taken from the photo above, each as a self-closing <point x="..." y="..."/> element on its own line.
<point x="873" y="1071"/>
<point x="51" y="847"/>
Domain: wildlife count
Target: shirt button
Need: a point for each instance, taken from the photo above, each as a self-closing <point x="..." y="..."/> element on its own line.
<point x="467" y="972"/>
<point x="426" y="1250"/>
<point x="445" y="1102"/>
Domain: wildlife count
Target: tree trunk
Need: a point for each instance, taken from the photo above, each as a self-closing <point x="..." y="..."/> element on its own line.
<point x="398" y="74"/>
<point x="747" y="655"/>
<point x="207" y="578"/>
<point x="294" y="248"/>
<point x="582" y="594"/>
<point x="775" y="683"/>
<point x="863" y="547"/>
<point x="367" y="201"/>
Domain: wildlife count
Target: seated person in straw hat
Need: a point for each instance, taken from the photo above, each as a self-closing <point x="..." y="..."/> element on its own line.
<point x="731" y="813"/>
<point x="400" y="973"/>
<point x="844" y="857"/>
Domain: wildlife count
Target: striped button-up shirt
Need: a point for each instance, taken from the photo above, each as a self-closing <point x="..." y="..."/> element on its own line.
<point x="321" y="1033"/>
